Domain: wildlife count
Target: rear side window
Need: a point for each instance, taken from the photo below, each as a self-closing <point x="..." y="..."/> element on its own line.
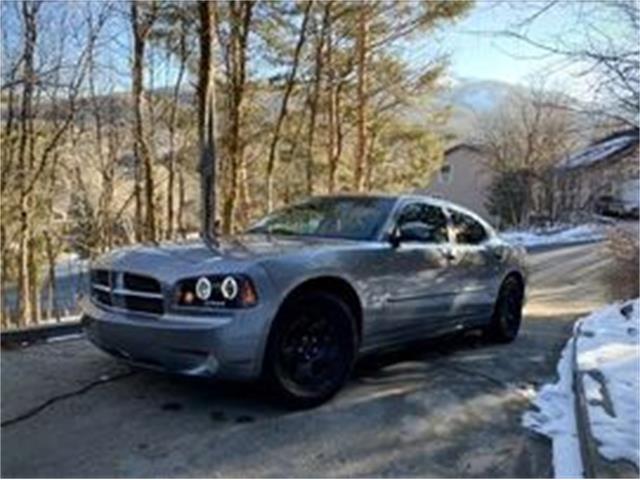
<point x="423" y="223"/>
<point x="467" y="230"/>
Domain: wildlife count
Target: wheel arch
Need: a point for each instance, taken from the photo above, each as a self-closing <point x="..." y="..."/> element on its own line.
<point x="334" y="285"/>
<point x="518" y="276"/>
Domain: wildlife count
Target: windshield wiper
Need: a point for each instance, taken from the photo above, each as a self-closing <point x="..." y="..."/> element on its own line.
<point x="271" y="231"/>
<point x="281" y="231"/>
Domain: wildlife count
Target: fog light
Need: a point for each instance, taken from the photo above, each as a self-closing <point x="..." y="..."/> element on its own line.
<point x="203" y="288"/>
<point x="248" y="295"/>
<point x="188" y="298"/>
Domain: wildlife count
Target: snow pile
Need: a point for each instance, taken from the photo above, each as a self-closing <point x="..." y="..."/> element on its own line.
<point x="557" y="236"/>
<point x="71" y="264"/>
<point x="608" y="351"/>
<point x="555" y="418"/>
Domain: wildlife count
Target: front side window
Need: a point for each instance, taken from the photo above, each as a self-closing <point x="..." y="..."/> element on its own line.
<point x="419" y="222"/>
<point x="467" y="230"/>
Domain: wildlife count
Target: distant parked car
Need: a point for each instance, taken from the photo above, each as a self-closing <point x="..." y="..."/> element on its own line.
<point x="303" y="293"/>
<point x="616" y="207"/>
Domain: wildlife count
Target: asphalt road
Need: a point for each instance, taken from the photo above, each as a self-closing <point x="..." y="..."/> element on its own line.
<point x="447" y="408"/>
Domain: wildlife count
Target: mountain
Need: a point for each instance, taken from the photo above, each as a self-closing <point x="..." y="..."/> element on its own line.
<point x="479" y="96"/>
<point x="465" y="99"/>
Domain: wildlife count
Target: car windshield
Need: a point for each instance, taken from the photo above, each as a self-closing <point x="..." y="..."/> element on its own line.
<point x="333" y="217"/>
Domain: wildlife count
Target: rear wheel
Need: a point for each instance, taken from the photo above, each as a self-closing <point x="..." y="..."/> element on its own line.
<point x="507" y="314"/>
<point x="311" y="349"/>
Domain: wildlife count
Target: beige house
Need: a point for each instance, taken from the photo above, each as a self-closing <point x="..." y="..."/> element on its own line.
<point x="463" y="179"/>
<point x="608" y="167"/>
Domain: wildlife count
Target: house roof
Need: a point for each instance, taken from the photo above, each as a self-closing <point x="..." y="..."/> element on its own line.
<point x="463" y="146"/>
<point x="609" y="148"/>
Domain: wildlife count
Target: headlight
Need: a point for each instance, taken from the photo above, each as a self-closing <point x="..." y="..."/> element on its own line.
<point x="228" y="291"/>
<point x="203" y="289"/>
<point x="229" y="288"/>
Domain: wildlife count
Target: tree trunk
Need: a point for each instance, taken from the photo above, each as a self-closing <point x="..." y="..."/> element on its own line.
<point x="313" y="102"/>
<point x="245" y="195"/>
<point x="25" y="158"/>
<point x="361" y="51"/>
<point x="34" y="283"/>
<point x="144" y="165"/>
<point x="241" y="13"/>
<point x="291" y="78"/>
<point x="331" y="112"/>
<point x="53" y="310"/>
<point x="181" y="202"/>
<point x="108" y="187"/>
<point x="4" y="270"/>
<point x="172" y="133"/>
<point x="368" y="164"/>
<point x="206" y="124"/>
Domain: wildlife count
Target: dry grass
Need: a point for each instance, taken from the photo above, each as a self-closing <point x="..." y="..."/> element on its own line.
<point x="624" y="278"/>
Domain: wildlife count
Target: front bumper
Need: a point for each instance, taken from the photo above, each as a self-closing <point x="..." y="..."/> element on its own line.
<point x="222" y="346"/>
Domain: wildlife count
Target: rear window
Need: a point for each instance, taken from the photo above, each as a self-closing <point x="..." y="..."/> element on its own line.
<point x="467" y="230"/>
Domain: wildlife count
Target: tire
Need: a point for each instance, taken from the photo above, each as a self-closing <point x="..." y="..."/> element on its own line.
<point x="311" y="350"/>
<point x="507" y="312"/>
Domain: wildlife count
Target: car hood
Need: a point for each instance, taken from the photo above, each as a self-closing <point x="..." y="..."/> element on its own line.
<point x="171" y="260"/>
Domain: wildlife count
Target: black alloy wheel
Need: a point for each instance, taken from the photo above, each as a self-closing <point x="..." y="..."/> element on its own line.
<point x="311" y="350"/>
<point x="507" y="314"/>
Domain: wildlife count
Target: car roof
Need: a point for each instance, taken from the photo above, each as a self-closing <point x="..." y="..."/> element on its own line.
<point x="404" y="197"/>
<point x="395" y="196"/>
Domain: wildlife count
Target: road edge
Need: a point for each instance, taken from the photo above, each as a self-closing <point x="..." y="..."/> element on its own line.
<point x="40" y="333"/>
<point x="588" y="446"/>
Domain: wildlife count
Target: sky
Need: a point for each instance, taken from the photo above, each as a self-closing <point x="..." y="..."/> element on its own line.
<point x="476" y="51"/>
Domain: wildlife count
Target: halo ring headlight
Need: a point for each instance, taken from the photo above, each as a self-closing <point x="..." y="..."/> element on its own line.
<point x="229" y="288"/>
<point x="203" y="288"/>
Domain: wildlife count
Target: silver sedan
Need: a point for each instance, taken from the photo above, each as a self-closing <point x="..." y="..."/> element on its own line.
<point x="299" y="296"/>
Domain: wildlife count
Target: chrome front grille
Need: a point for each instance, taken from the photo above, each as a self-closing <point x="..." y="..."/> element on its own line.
<point x="126" y="290"/>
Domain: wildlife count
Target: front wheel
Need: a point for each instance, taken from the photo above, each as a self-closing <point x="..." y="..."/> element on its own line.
<point x="311" y="349"/>
<point x="507" y="313"/>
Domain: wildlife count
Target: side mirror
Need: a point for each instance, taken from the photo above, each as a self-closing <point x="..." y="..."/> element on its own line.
<point x="410" y="232"/>
<point x="395" y="237"/>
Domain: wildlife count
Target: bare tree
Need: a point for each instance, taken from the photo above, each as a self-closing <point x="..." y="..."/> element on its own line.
<point x="314" y="97"/>
<point x="26" y="159"/>
<point x="234" y="44"/>
<point x="523" y="141"/>
<point x="362" y="53"/>
<point x="288" y="88"/>
<point x="603" y="48"/>
<point x="206" y="120"/>
<point x="141" y="24"/>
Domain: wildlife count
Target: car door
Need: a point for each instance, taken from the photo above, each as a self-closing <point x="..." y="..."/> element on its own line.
<point x="474" y="267"/>
<point x="417" y="279"/>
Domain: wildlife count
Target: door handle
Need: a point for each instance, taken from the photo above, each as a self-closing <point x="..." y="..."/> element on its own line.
<point x="449" y="254"/>
<point x="498" y="252"/>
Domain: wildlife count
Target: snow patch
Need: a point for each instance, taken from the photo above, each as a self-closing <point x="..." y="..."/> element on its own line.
<point x="70" y="264"/>
<point x="555" y="418"/>
<point x="555" y="236"/>
<point x="65" y="338"/>
<point x="609" y="351"/>
<point x="606" y="348"/>
<point x="55" y="321"/>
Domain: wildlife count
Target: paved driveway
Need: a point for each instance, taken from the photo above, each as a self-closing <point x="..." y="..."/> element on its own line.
<point x="445" y="408"/>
